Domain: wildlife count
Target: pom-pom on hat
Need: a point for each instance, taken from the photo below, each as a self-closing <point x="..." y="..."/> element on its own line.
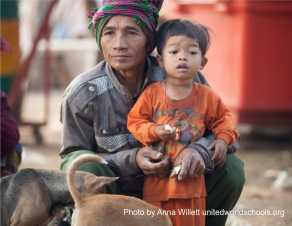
<point x="144" y="13"/>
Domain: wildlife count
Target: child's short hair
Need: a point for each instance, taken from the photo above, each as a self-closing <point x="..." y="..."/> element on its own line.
<point x="191" y="29"/>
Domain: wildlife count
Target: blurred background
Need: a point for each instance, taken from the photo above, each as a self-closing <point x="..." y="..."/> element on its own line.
<point x="250" y="67"/>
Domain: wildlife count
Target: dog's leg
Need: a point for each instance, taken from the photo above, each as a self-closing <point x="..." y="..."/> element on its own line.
<point x="27" y="214"/>
<point x="58" y="213"/>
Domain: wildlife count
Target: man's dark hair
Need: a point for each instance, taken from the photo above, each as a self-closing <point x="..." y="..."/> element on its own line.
<point x="188" y="28"/>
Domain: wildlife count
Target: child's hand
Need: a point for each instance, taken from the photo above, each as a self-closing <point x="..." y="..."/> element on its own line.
<point x="220" y="147"/>
<point x="164" y="134"/>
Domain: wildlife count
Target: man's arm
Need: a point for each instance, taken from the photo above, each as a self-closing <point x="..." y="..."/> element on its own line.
<point x="124" y="165"/>
<point x="78" y="134"/>
<point x="201" y="146"/>
<point x="77" y="128"/>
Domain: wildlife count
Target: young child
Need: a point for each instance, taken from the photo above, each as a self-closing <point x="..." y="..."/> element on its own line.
<point x="175" y="112"/>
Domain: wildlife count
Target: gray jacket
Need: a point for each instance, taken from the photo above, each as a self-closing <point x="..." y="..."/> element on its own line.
<point x="94" y="117"/>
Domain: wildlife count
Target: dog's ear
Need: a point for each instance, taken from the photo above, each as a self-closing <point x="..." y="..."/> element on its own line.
<point x="98" y="185"/>
<point x="103" y="181"/>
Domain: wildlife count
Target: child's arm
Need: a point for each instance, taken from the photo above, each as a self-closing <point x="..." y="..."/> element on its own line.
<point x="221" y="124"/>
<point x="140" y="119"/>
<point x="223" y="129"/>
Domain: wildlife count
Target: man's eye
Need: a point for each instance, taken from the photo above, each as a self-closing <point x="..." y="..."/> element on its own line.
<point x="131" y="32"/>
<point x="108" y="33"/>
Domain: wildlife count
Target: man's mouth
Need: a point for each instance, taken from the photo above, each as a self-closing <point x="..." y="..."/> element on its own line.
<point x="120" y="56"/>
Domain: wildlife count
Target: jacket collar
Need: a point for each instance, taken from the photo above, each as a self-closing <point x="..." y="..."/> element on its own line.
<point x="122" y="90"/>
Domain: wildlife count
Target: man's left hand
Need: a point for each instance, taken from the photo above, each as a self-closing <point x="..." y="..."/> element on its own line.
<point x="220" y="150"/>
<point x="192" y="164"/>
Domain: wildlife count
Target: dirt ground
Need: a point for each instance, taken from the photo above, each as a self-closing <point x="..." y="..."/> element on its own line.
<point x="264" y="157"/>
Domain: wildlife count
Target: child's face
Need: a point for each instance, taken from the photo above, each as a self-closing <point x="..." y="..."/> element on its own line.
<point x="181" y="57"/>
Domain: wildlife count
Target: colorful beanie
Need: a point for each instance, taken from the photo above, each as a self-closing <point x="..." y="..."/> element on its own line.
<point x="144" y="13"/>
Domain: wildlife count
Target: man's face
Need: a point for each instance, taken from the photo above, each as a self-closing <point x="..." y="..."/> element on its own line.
<point x="124" y="44"/>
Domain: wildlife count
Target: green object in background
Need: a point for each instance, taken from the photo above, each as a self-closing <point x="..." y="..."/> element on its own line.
<point x="9" y="9"/>
<point x="9" y="14"/>
<point x="6" y="82"/>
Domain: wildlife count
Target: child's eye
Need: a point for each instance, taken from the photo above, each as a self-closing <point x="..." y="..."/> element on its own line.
<point x="193" y="52"/>
<point x="173" y="52"/>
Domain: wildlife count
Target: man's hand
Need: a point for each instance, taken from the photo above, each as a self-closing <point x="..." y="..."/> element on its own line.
<point x="192" y="164"/>
<point x="152" y="162"/>
<point x="220" y="148"/>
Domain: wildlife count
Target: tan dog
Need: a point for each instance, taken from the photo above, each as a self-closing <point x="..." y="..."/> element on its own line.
<point x="32" y="197"/>
<point x="113" y="210"/>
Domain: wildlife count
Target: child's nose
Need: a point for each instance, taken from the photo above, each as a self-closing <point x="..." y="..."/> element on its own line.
<point x="182" y="56"/>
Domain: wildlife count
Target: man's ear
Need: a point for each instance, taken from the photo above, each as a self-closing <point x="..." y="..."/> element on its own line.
<point x="148" y="49"/>
<point x="204" y="62"/>
<point x="159" y="60"/>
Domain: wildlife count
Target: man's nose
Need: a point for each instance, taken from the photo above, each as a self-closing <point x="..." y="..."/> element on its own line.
<point x="120" y="42"/>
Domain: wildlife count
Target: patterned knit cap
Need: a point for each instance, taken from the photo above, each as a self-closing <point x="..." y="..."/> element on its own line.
<point x="144" y="13"/>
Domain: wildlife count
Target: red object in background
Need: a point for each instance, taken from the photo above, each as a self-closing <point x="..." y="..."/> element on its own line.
<point x="251" y="51"/>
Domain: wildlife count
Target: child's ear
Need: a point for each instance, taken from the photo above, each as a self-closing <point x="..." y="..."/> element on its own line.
<point x="204" y="62"/>
<point x="159" y="60"/>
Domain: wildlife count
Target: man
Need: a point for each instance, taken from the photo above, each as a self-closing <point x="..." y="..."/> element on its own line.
<point x="96" y="103"/>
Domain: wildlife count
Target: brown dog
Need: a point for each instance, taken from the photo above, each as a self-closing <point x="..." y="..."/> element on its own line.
<point x="32" y="197"/>
<point x="113" y="210"/>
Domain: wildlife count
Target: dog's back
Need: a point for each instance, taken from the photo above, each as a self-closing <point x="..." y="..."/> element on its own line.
<point x="22" y="192"/>
<point x="119" y="210"/>
<point x="108" y="209"/>
<point x="33" y="197"/>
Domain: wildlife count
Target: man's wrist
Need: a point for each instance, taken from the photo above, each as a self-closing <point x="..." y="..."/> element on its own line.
<point x="206" y="155"/>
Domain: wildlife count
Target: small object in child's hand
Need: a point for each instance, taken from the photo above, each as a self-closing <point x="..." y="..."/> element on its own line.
<point x="177" y="169"/>
<point x="177" y="134"/>
<point x="168" y="127"/>
<point x="159" y="154"/>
